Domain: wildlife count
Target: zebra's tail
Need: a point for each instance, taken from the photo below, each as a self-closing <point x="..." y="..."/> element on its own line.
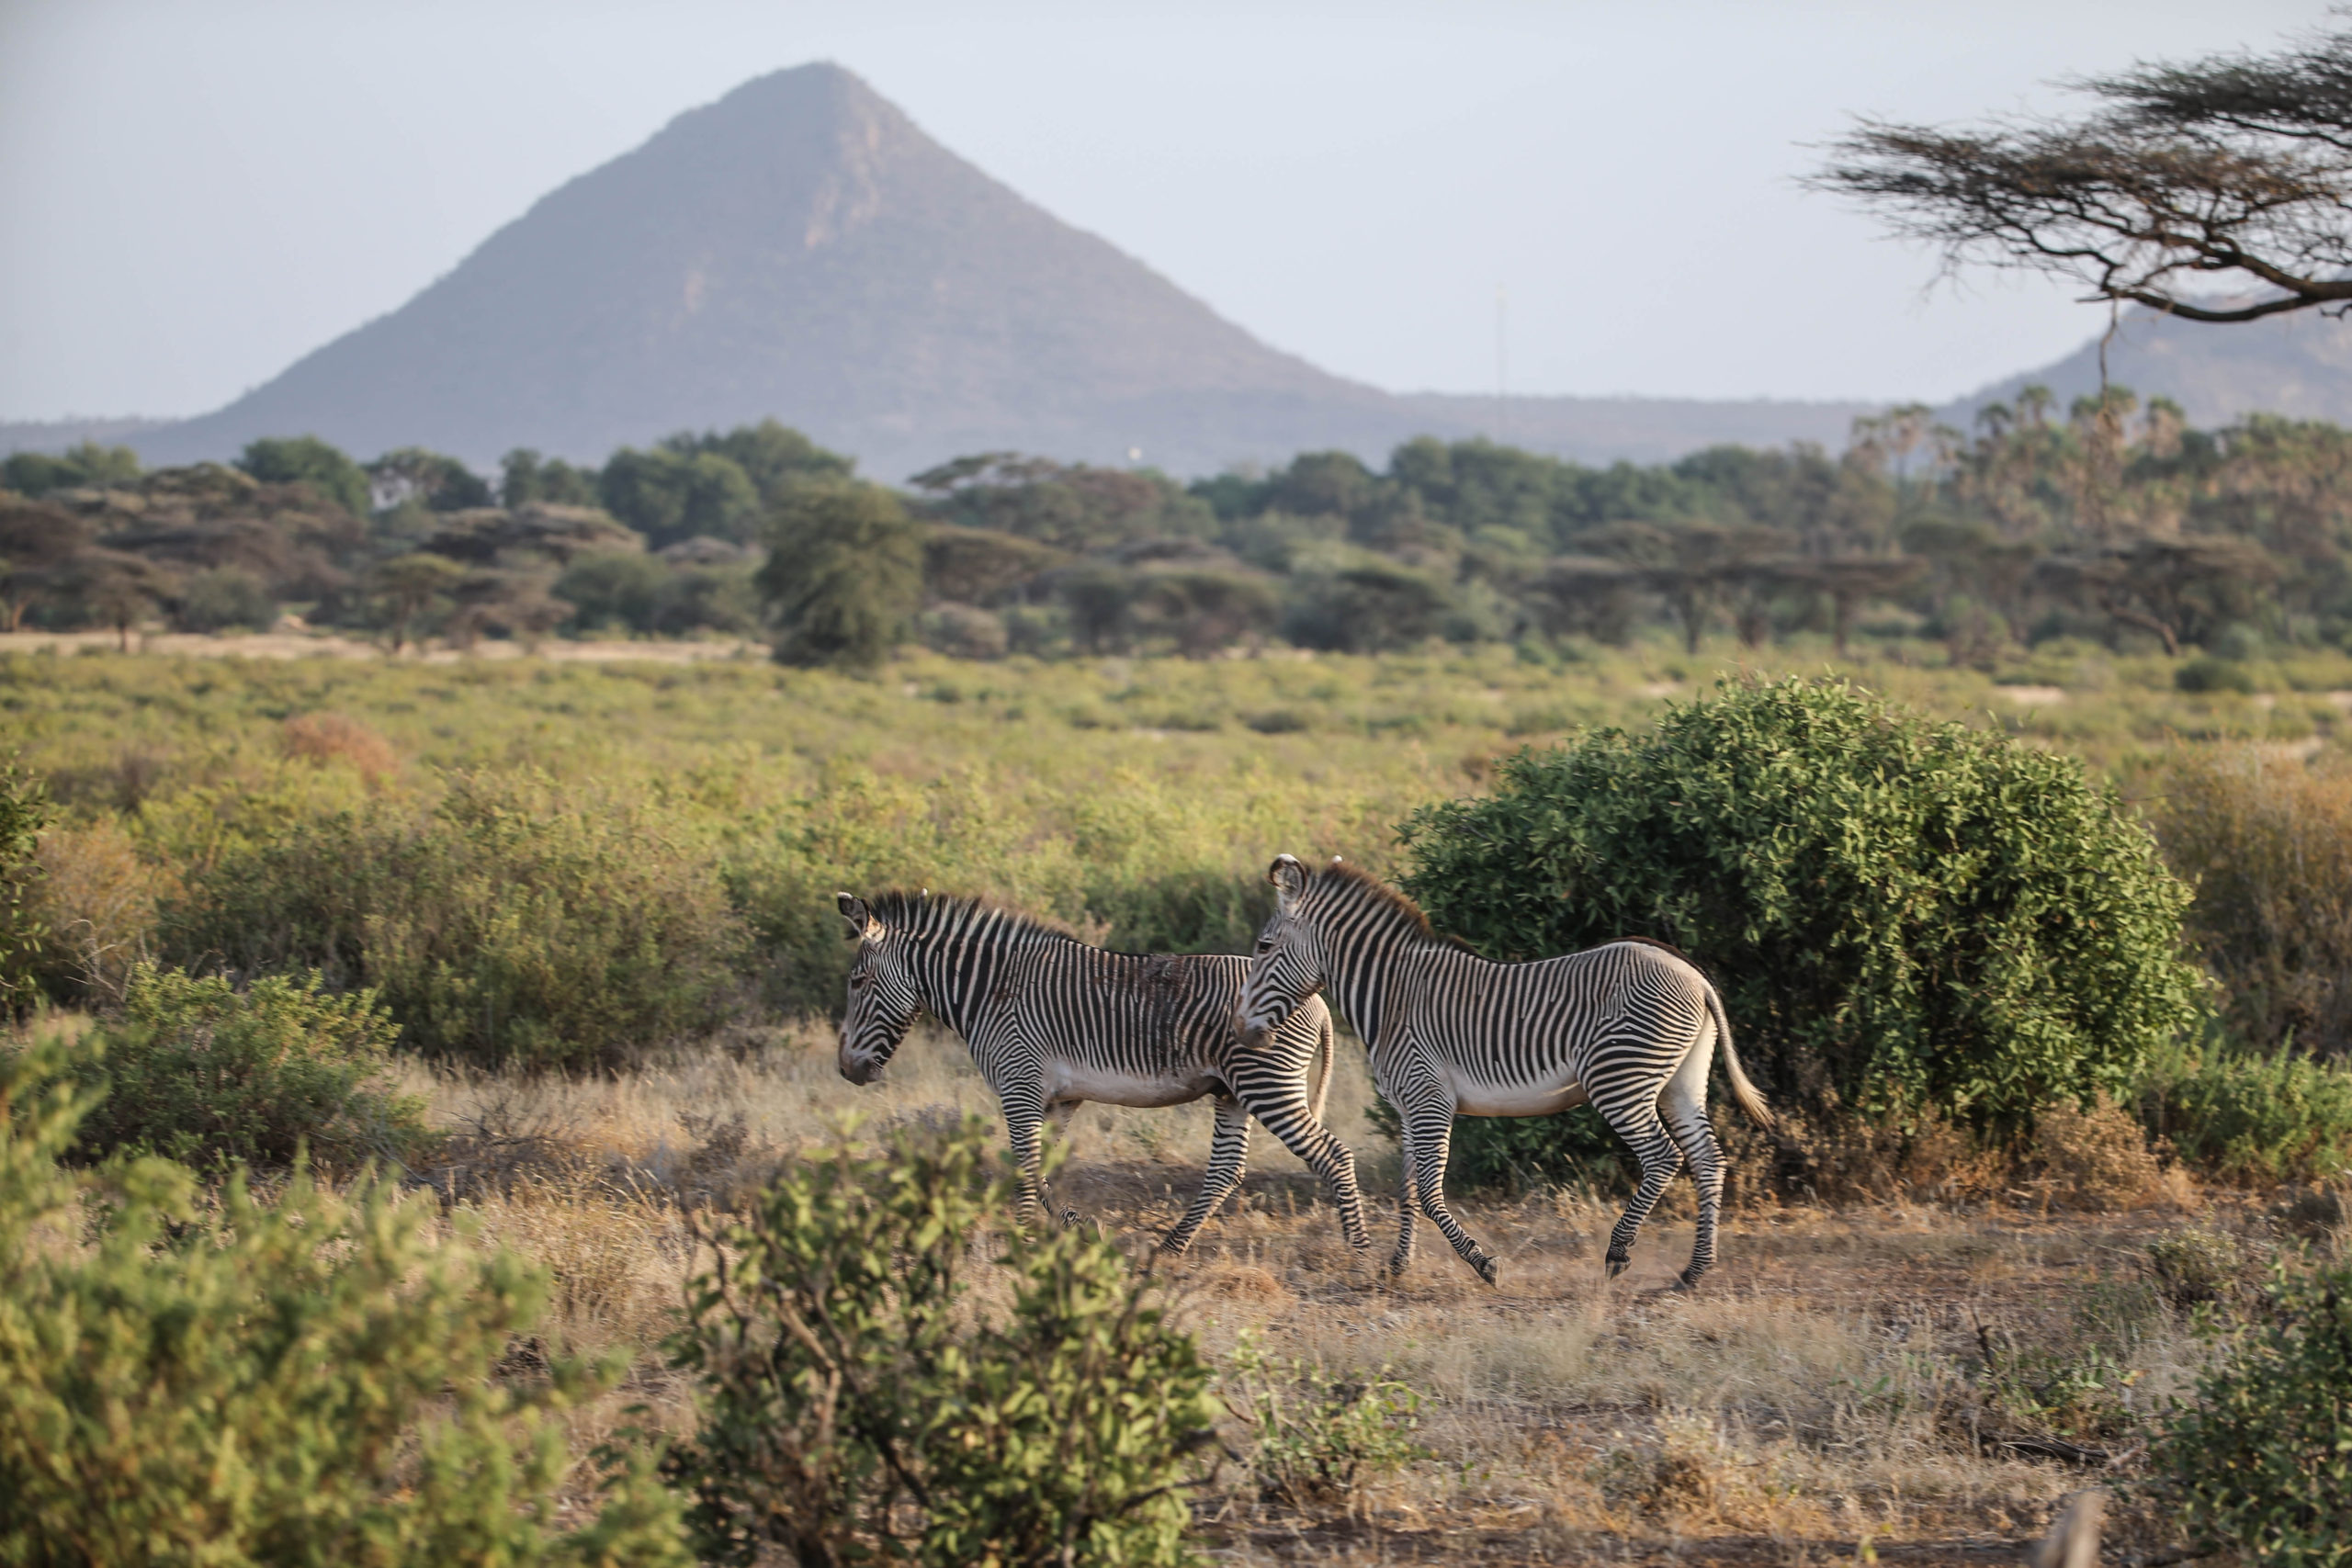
<point x="1745" y="1092"/>
<point x="1327" y="1050"/>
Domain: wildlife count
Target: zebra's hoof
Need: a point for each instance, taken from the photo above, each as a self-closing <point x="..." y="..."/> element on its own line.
<point x="1069" y="1219"/>
<point x="1485" y="1267"/>
<point x="1685" y="1282"/>
<point x="1617" y="1262"/>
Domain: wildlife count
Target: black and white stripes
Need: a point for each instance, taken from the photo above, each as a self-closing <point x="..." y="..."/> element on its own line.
<point x="1630" y="1026"/>
<point x="1053" y="1022"/>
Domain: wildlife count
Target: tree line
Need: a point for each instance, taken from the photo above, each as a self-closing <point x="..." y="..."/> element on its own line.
<point x="2108" y="519"/>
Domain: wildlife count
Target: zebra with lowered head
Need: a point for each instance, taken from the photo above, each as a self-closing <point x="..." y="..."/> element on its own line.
<point x="1630" y="1026"/>
<point x="1053" y="1022"/>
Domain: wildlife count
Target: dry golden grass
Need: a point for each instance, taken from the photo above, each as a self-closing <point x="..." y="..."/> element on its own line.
<point x="1827" y="1385"/>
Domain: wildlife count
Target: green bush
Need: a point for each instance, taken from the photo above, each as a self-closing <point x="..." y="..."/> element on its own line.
<point x="2261" y="1458"/>
<point x="309" y="1381"/>
<point x="1902" y="915"/>
<point x="200" y="1072"/>
<point x="2254" y="1117"/>
<point x="2268" y="844"/>
<point x="24" y="812"/>
<point x="860" y="1403"/>
<point x="1318" y="1439"/>
<point x="517" y="922"/>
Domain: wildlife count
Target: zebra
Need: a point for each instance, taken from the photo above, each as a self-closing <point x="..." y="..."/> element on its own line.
<point x="1630" y="1026"/>
<point x="1053" y="1022"/>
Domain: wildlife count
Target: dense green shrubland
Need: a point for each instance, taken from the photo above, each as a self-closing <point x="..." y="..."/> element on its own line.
<point x="515" y="920"/>
<point x="198" y="1071"/>
<point x="862" y="1400"/>
<point x="305" y="1380"/>
<point x="2260" y="1458"/>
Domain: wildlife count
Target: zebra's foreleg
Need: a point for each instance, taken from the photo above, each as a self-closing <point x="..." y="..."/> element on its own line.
<point x="1024" y="1115"/>
<point x="1641" y="1127"/>
<point x="1228" y="1151"/>
<point x="1321" y="1152"/>
<point x="1427" y="1177"/>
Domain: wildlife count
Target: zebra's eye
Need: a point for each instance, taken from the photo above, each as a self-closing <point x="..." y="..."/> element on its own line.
<point x="1265" y="944"/>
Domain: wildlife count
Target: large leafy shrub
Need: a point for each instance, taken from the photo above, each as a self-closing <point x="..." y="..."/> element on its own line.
<point x="516" y="921"/>
<point x="860" y="1403"/>
<point x="1902" y="915"/>
<point x="201" y="1072"/>
<point x="306" y="1381"/>
<point x="2261" y="1458"/>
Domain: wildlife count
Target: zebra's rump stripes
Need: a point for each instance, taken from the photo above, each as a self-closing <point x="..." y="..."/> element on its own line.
<point x="1053" y="1022"/>
<point x="1632" y="1026"/>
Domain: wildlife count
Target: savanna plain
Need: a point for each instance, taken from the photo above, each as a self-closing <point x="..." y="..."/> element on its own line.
<point x="1917" y="1360"/>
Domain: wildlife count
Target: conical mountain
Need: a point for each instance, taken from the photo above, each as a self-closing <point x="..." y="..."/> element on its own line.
<point x="798" y="249"/>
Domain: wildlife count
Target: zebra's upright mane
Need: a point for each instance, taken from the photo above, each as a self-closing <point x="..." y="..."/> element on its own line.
<point x="929" y="913"/>
<point x="1371" y="889"/>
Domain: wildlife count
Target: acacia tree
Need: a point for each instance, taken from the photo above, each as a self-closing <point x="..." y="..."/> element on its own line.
<point x="2236" y="168"/>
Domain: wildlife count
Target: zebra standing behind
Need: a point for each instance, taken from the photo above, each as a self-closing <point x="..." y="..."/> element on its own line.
<point x="1053" y="1022"/>
<point x="1630" y="1026"/>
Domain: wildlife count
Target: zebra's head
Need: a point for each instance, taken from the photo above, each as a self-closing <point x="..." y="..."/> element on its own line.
<point x="1287" y="966"/>
<point x="883" y="999"/>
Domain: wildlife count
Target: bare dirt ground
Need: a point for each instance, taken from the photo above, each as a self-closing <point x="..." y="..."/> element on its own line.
<point x="1906" y="1382"/>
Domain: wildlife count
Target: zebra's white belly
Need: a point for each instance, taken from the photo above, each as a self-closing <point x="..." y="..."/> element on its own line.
<point x="1541" y="1098"/>
<point x="1109" y="1086"/>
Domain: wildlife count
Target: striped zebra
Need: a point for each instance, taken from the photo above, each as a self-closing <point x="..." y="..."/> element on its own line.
<point x="1630" y="1026"/>
<point x="1053" y="1022"/>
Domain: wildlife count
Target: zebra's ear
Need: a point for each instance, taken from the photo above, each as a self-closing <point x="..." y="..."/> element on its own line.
<point x="854" y="911"/>
<point x="1288" y="876"/>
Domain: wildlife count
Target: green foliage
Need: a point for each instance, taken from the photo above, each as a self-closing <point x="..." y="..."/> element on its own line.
<point x="2249" y="1116"/>
<point x="1900" y="915"/>
<point x="224" y="598"/>
<point x="310" y="1381"/>
<point x="844" y="573"/>
<point x="671" y="496"/>
<point x="516" y="921"/>
<point x="525" y="477"/>
<point x="306" y="460"/>
<point x="1316" y="1440"/>
<point x="86" y="465"/>
<point x="200" y="1072"/>
<point x="24" y="812"/>
<point x="2268" y="844"/>
<point x="861" y="1405"/>
<point x="773" y="457"/>
<point x="437" y="482"/>
<point x="2261" y="1458"/>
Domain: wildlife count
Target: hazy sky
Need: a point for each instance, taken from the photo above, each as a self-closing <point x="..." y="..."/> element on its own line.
<point x="195" y="193"/>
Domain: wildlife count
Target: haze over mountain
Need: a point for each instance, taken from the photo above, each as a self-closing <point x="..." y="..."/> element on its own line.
<point x="801" y="250"/>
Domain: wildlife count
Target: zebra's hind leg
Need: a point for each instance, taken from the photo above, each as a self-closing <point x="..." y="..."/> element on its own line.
<point x="1408" y="1203"/>
<point x="1640" y="1126"/>
<point x="1228" y="1149"/>
<point x="1063" y="1112"/>
<point x="1428" y="1177"/>
<point x="1684" y="1107"/>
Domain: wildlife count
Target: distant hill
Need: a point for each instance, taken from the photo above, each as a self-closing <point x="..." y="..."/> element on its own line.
<point x="2298" y="365"/>
<point x="800" y="250"/>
